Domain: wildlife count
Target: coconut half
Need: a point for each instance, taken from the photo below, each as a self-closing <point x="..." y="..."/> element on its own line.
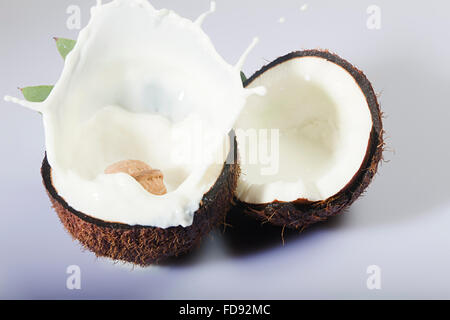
<point x="144" y="85"/>
<point x="312" y="144"/>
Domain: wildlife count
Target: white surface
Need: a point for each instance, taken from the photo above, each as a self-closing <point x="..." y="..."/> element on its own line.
<point x="401" y="224"/>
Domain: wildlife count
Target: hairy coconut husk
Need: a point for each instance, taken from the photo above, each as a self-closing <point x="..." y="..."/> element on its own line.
<point x="300" y="213"/>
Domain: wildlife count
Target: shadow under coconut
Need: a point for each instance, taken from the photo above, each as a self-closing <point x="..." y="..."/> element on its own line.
<point x="184" y="260"/>
<point x="210" y="247"/>
<point x="245" y="235"/>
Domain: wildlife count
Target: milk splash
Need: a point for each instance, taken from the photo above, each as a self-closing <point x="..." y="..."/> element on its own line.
<point x="98" y="111"/>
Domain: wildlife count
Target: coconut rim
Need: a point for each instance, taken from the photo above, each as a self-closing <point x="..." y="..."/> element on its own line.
<point x="376" y="134"/>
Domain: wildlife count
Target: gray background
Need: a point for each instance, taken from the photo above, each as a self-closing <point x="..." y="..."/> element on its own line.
<point x="401" y="224"/>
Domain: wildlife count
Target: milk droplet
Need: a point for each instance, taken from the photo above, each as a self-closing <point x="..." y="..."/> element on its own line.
<point x="202" y="17"/>
<point x="244" y="56"/>
<point x="35" y="106"/>
<point x="260" y="91"/>
<point x="181" y="96"/>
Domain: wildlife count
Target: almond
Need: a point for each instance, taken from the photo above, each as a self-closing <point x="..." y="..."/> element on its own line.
<point x="151" y="179"/>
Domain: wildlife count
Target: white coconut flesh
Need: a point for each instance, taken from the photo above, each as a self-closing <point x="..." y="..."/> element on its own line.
<point x="140" y="84"/>
<point x="322" y="126"/>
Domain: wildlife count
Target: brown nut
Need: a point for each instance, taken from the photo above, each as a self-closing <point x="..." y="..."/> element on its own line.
<point x="150" y="179"/>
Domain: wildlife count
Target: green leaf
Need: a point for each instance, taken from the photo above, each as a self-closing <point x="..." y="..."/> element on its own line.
<point x="64" y="46"/>
<point x="36" y="94"/>
<point x="243" y="77"/>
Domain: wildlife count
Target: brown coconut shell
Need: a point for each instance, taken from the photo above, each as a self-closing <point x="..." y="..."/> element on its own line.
<point x="301" y="213"/>
<point x="144" y="245"/>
